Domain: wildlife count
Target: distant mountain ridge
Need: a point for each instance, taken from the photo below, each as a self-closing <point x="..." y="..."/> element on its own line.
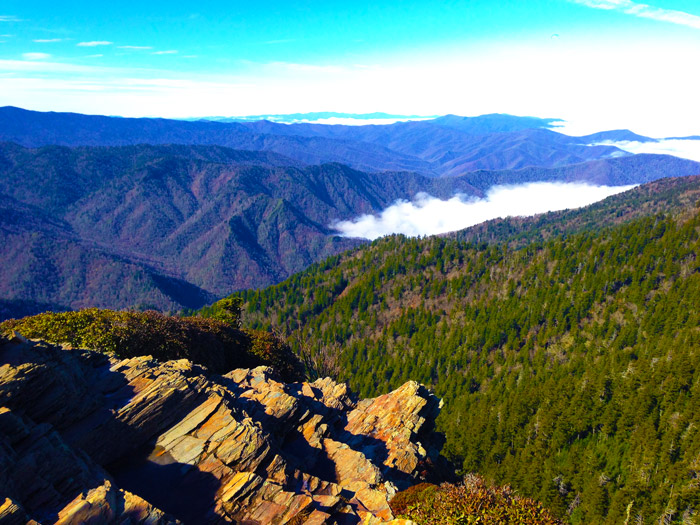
<point x="447" y="146"/>
<point x="618" y="135"/>
<point x="494" y="123"/>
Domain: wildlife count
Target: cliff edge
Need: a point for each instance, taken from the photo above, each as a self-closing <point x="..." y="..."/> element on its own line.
<point x="89" y="438"/>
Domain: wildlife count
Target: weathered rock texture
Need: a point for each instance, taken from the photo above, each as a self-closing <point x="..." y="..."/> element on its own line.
<point x="86" y="438"/>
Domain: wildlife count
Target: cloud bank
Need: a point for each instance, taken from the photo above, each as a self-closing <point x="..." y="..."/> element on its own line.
<point x="427" y="215"/>
<point x="645" y="11"/>
<point x="684" y="148"/>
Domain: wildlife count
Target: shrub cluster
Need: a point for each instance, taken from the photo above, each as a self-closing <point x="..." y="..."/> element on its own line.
<point x="470" y="502"/>
<point x="214" y="343"/>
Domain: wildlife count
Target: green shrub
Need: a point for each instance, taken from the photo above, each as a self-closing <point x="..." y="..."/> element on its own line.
<point x="470" y="502"/>
<point x="217" y="344"/>
<point x="417" y="496"/>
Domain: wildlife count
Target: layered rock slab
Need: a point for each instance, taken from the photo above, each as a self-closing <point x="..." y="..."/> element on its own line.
<point x="150" y="442"/>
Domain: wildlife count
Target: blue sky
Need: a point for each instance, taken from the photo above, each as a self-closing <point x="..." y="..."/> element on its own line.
<point x="597" y="63"/>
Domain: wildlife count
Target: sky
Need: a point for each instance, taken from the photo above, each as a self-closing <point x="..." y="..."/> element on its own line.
<point x="598" y="64"/>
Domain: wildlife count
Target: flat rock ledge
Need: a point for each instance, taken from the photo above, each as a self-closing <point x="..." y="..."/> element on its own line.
<point x="85" y="438"/>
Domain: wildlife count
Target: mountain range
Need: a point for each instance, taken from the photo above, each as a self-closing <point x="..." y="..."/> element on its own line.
<point x="156" y="213"/>
<point x="173" y="226"/>
<point x="446" y="146"/>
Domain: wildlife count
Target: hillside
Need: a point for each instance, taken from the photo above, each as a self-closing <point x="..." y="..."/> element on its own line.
<point x="448" y="146"/>
<point x="618" y="171"/>
<point x="661" y="196"/>
<point x="567" y="366"/>
<point x="173" y="226"/>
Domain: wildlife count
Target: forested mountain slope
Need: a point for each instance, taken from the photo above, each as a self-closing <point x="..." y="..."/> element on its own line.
<point x="618" y="171"/>
<point x="175" y="225"/>
<point x="47" y="266"/>
<point x="661" y="196"/>
<point x="178" y="225"/>
<point x="568" y="366"/>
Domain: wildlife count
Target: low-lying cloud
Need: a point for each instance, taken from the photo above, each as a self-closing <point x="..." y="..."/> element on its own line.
<point x="427" y="215"/>
<point x="684" y="148"/>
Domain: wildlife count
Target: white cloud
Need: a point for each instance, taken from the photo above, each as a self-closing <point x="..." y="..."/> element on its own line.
<point x="35" y="56"/>
<point x="168" y="52"/>
<point x="10" y="18"/>
<point x="134" y="47"/>
<point x="428" y="215"/>
<point x="94" y="43"/>
<point x="645" y="11"/>
<point x="47" y="40"/>
<point x="686" y="149"/>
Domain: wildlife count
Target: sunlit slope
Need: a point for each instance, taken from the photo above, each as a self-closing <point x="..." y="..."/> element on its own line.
<point x="568" y="366"/>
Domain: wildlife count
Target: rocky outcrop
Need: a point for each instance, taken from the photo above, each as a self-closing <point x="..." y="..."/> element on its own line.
<point x="87" y="438"/>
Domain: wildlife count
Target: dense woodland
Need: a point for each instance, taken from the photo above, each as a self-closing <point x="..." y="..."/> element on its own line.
<point x="568" y="365"/>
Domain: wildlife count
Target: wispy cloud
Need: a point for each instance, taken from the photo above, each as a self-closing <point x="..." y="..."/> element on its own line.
<point x="684" y="148"/>
<point x="47" y="40"/>
<point x="10" y="18"/>
<point x="644" y="11"/>
<point x="134" y="47"/>
<point x="94" y="56"/>
<point x="94" y="43"/>
<point x="168" y="52"/>
<point x="428" y="215"/>
<point x="35" y="56"/>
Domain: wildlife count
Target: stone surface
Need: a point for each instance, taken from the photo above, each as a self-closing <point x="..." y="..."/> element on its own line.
<point x="86" y="438"/>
